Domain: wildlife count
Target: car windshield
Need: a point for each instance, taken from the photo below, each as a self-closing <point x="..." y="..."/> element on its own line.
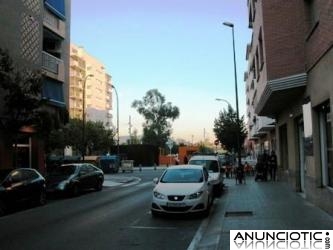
<point x="211" y="165"/>
<point x="63" y="170"/>
<point x="182" y="176"/>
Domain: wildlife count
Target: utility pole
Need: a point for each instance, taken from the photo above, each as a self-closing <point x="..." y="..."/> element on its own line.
<point x="130" y="130"/>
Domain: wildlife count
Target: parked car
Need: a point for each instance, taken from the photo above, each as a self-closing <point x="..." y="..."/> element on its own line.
<point x="19" y="187"/>
<point x="73" y="178"/>
<point x="213" y="165"/>
<point x="182" y="189"/>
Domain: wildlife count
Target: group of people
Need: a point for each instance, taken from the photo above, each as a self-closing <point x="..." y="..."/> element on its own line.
<point x="267" y="165"/>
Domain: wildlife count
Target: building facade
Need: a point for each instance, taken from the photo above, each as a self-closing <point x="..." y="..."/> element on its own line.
<point x="36" y="34"/>
<point x="90" y="85"/>
<point x="290" y="81"/>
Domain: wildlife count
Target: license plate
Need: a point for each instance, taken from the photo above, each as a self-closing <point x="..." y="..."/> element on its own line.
<point x="176" y="204"/>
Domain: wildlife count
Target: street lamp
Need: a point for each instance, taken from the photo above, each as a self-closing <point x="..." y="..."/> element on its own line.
<point x="231" y="25"/>
<point x="84" y="115"/>
<point x="115" y="90"/>
<point x="223" y="100"/>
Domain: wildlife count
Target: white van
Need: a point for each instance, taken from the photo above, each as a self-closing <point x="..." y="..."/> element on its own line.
<point x="212" y="163"/>
<point x="127" y="165"/>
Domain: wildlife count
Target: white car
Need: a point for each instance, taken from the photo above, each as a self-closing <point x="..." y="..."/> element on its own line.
<point x="213" y="165"/>
<point x="182" y="189"/>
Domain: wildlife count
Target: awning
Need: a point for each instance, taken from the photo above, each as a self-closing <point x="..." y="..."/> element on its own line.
<point x="57" y="7"/>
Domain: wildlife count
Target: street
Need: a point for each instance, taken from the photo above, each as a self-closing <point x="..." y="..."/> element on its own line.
<point x="115" y="218"/>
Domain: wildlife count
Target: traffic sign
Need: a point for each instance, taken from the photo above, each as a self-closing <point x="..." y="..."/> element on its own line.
<point x="169" y="143"/>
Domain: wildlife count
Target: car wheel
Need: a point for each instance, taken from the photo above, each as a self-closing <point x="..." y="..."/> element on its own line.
<point x="99" y="185"/>
<point x="75" y="190"/>
<point x="218" y="190"/>
<point x="205" y="213"/>
<point x="154" y="213"/>
<point x="2" y="209"/>
<point x="42" y="198"/>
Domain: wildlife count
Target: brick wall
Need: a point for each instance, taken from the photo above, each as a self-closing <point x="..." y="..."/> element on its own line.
<point x="320" y="37"/>
<point x="283" y="30"/>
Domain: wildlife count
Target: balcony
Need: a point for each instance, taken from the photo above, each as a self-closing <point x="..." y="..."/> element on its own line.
<point x="53" y="67"/>
<point x="265" y="124"/>
<point x="54" y="24"/>
<point x="278" y="93"/>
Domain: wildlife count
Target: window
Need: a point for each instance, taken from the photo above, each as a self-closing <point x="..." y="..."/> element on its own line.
<point x="253" y="69"/>
<point x="257" y="65"/>
<point x="312" y="13"/>
<point x="261" y="50"/>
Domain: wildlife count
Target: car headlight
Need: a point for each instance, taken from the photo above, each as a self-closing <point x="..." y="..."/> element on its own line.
<point x="195" y="195"/>
<point x="62" y="185"/>
<point x="158" y="195"/>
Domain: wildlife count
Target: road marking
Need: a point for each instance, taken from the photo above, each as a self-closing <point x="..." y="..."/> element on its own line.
<point x="200" y="232"/>
<point x="144" y="184"/>
<point x="135" y="222"/>
<point x="198" y="235"/>
<point x="158" y="228"/>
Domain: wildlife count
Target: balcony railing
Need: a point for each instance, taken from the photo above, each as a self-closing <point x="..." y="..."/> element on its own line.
<point x="54" y="66"/>
<point x="54" y="23"/>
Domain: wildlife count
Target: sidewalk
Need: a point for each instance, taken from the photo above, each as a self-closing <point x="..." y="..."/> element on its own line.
<point x="260" y="206"/>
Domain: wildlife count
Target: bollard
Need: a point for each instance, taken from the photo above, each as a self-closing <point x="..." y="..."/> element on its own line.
<point x="140" y="168"/>
<point x="155" y="166"/>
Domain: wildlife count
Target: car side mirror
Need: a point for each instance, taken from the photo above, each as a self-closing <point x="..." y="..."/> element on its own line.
<point x="155" y="180"/>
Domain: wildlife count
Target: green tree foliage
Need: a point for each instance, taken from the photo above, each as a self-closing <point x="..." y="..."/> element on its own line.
<point x="98" y="139"/>
<point x="23" y="106"/>
<point x="21" y="94"/>
<point x="157" y="114"/>
<point x="226" y="129"/>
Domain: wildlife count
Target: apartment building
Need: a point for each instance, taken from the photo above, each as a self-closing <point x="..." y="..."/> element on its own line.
<point x="36" y="34"/>
<point x="290" y="81"/>
<point x="90" y="85"/>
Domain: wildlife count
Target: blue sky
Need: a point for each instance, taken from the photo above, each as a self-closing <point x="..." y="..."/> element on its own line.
<point x="179" y="47"/>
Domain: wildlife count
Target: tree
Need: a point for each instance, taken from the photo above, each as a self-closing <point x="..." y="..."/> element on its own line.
<point x="157" y="114"/>
<point x="226" y="129"/>
<point x="99" y="139"/>
<point x="22" y="103"/>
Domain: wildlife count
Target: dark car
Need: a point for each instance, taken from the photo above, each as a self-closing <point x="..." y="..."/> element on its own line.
<point x="19" y="187"/>
<point x="73" y="178"/>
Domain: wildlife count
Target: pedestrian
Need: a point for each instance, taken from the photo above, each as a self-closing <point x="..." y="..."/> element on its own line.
<point x="177" y="160"/>
<point x="273" y="165"/>
<point x="265" y="158"/>
<point x="185" y="159"/>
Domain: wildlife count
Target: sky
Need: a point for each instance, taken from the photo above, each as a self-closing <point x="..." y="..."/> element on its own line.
<point x="179" y="47"/>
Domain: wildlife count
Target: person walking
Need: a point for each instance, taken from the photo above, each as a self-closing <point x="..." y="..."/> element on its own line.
<point x="273" y="165"/>
<point x="265" y="161"/>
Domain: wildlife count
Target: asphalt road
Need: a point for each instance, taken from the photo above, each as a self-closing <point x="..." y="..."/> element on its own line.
<point x="115" y="218"/>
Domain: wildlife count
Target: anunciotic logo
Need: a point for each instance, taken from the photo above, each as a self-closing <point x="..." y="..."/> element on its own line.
<point x="280" y="239"/>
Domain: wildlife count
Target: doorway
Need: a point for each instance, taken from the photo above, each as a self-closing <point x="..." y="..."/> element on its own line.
<point x="302" y="169"/>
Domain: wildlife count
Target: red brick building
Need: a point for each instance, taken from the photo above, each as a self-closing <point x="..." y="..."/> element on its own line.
<point x="289" y="88"/>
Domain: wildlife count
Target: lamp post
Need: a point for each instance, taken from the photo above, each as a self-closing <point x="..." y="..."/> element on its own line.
<point x="223" y="100"/>
<point x="115" y="90"/>
<point x="84" y="115"/>
<point x="231" y="25"/>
